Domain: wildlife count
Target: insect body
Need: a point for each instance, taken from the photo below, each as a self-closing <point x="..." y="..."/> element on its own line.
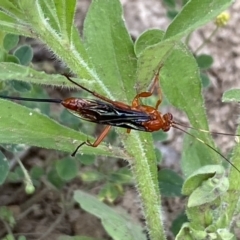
<point x="107" y="114"/>
<point x="136" y="116"/>
<point x="113" y="113"/>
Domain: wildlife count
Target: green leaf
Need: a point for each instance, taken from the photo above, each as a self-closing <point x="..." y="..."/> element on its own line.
<point x="121" y="176"/>
<point x="193" y="15"/>
<point x="12" y="7"/>
<point x="109" y="192"/>
<point x="10" y="41"/>
<point x="37" y="92"/>
<point x="205" y="80"/>
<point x="171" y="14"/>
<point x="158" y="155"/>
<point x="170" y="183"/>
<point x="178" y="222"/>
<point x="170" y="3"/>
<point x="91" y="176"/>
<point x="181" y="88"/>
<point x="195" y="154"/>
<point x="208" y="191"/>
<point x="225" y="234"/>
<point x="3" y="55"/>
<point x="67" y="168"/>
<point x="189" y="233"/>
<point x="146" y="39"/>
<point x="21" y="86"/>
<point x="111" y="49"/>
<point x="9" y="71"/>
<point x="22" y="238"/>
<point x="65" y="12"/>
<point x="54" y="179"/>
<point x="147" y="65"/>
<point x="4" y="168"/>
<point x="22" y="125"/>
<point x="160" y="136"/>
<point x="70" y="120"/>
<point x="232" y="95"/>
<point x="87" y="159"/>
<point x="49" y="10"/>
<point x="7" y="216"/>
<point x="204" y="61"/>
<point x="11" y="25"/>
<point x="36" y="172"/>
<point x="9" y="237"/>
<point x="16" y="176"/>
<point x="188" y="87"/>
<point x="77" y="238"/>
<point x="11" y="58"/>
<point x="118" y="226"/>
<point x="24" y="54"/>
<point x="199" y="176"/>
<point x="184" y="2"/>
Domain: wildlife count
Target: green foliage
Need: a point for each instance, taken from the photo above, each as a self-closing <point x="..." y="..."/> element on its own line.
<point x="54" y="178"/>
<point x="106" y="59"/>
<point x="16" y="175"/>
<point x="205" y="80"/>
<point x="170" y="183"/>
<point x="204" y="62"/>
<point x="117" y="225"/>
<point x="77" y="238"/>
<point x="22" y="238"/>
<point x="205" y="185"/>
<point x="173" y="8"/>
<point x="232" y="95"/>
<point x="10" y="41"/>
<point x="6" y="215"/>
<point x="91" y="176"/>
<point x="36" y="173"/>
<point x="87" y="159"/>
<point x="4" y="168"/>
<point x="109" y="192"/>
<point x="67" y="168"/>
<point x="24" y="54"/>
<point x="178" y="222"/>
<point x="114" y="181"/>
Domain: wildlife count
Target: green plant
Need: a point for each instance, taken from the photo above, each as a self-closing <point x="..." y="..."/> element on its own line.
<point x="105" y="56"/>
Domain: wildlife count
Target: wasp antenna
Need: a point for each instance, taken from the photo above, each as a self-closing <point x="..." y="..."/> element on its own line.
<point x="77" y="84"/>
<point x="206" y="144"/>
<point x="206" y="131"/>
<point x="32" y="99"/>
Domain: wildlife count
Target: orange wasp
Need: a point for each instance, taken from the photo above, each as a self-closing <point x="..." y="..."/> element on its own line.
<point x="136" y="116"/>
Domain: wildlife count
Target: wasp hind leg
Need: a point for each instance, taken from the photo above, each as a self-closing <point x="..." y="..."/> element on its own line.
<point x="95" y="143"/>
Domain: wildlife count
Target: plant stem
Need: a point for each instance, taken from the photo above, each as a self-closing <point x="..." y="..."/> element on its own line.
<point x="145" y="173"/>
<point x="207" y="40"/>
<point x="233" y="195"/>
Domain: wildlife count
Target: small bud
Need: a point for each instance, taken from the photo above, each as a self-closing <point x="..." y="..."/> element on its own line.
<point x="222" y="19"/>
<point x="29" y="189"/>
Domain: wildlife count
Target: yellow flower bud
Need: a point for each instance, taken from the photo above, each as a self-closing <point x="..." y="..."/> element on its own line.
<point x="222" y="19"/>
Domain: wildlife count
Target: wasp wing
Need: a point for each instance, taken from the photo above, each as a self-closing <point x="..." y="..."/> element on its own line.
<point x="108" y="114"/>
